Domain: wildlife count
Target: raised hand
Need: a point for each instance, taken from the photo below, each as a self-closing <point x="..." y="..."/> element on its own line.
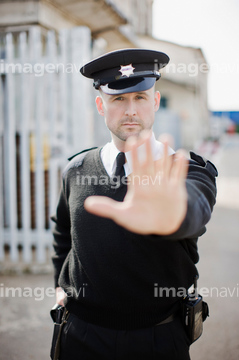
<point x="156" y="199"/>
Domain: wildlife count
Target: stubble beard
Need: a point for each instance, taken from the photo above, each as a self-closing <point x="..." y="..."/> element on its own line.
<point x="123" y="134"/>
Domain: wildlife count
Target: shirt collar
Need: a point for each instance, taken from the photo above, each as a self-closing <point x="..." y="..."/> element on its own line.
<point x="110" y="152"/>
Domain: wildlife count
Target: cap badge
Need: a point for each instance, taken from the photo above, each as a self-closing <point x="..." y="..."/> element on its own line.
<point x="127" y="70"/>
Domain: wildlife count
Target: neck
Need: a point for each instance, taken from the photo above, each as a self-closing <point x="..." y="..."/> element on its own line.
<point x="121" y="144"/>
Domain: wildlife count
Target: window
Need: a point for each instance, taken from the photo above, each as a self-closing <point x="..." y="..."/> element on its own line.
<point x="164" y="102"/>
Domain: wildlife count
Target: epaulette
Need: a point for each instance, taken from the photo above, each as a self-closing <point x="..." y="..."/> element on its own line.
<point x="78" y="160"/>
<point x="81" y="152"/>
<point x="205" y="163"/>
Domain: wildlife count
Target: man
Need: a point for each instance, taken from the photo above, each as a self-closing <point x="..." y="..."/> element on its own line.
<point x="127" y="224"/>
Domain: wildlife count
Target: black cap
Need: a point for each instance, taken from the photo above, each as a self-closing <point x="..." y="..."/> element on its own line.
<point x="126" y="70"/>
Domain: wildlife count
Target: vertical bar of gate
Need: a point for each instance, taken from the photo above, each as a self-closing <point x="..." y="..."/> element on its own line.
<point x="55" y="135"/>
<point x="81" y="95"/>
<point x="64" y="93"/>
<point x="36" y="48"/>
<point x="24" y="152"/>
<point x="1" y="171"/>
<point x="10" y="153"/>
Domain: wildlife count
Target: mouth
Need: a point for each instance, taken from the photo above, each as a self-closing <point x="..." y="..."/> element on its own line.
<point x="130" y="124"/>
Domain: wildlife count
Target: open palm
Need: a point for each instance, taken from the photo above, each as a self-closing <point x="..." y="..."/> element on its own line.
<point x="156" y="199"/>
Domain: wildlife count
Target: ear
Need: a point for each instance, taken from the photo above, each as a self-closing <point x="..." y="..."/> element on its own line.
<point x="99" y="105"/>
<point x="156" y="100"/>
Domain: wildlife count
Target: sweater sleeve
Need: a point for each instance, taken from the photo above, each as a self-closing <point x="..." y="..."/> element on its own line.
<point x="61" y="234"/>
<point x="201" y="190"/>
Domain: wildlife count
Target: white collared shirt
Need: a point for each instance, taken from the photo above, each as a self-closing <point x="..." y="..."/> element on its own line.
<point x="110" y="152"/>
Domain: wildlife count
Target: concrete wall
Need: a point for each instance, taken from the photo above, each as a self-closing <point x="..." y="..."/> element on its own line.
<point x="14" y="13"/>
<point x="186" y="103"/>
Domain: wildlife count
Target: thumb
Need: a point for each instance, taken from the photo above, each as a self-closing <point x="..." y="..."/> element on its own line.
<point x="102" y="206"/>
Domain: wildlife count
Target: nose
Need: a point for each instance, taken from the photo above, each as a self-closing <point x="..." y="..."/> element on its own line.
<point x="130" y="108"/>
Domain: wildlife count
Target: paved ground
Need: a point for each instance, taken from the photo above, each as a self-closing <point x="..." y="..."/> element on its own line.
<point x="26" y="327"/>
<point x="25" y="324"/>
<point x="219" y="268"/>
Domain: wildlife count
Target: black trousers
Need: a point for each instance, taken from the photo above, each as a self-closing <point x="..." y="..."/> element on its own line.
<point x="84" y="341"/>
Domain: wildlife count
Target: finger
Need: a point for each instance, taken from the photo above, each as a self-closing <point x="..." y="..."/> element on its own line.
<point x="141" y="153"/>
<point x="167" y="138"/>
<point x="131" y="145"/>
<point x="60" y="296"/>
<point x="144" y="154"/>
<point x="180" y="166"/>
<point x="149" y="162"/>
<point x="166" y="162"/>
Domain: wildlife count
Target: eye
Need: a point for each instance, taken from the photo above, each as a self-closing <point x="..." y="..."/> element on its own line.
<point x="119" y="98"/>
<point x="139" y="97"/>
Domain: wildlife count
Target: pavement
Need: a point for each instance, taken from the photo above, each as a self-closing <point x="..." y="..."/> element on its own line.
<point x="25" y="324"/>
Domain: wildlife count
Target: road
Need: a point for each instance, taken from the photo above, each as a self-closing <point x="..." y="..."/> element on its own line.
<point x="25" y="324"/>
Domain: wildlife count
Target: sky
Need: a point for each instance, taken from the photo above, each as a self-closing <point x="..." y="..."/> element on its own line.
<point x="212" y="25"/>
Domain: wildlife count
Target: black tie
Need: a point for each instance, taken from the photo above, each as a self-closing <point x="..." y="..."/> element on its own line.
<point x="120" y="161"/>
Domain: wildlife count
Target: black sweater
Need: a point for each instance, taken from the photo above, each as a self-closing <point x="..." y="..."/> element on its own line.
<point x="116" y="278"/>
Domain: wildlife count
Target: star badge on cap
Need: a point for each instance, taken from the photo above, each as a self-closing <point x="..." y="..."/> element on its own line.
<point x="127" y="70"/>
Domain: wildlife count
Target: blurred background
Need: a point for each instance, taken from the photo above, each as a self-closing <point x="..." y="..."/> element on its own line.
<point x="47" y="113"/>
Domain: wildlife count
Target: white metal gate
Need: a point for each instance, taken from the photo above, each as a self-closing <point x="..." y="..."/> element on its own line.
<point x="45" y="115"/>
